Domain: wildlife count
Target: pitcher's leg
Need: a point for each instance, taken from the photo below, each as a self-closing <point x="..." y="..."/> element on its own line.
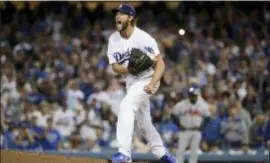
<point x="125" y="127"/>
<point x="125" y="123"/>
<point x="148" y="130"/>
<point x="194" y="146"/>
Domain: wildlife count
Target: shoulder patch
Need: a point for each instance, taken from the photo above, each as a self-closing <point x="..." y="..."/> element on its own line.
<point x="149" y="49"/>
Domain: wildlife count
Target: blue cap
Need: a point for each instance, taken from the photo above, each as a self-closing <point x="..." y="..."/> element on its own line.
<point x="193" y="91"/>
<point x="124" y="8"/>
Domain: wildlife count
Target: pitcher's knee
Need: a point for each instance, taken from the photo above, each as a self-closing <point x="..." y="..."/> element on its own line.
<point x="128" y="106"/>
<point x="124" y="105"/>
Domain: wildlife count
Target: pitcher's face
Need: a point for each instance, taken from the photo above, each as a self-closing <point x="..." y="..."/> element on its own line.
<point x="121" y="21"/>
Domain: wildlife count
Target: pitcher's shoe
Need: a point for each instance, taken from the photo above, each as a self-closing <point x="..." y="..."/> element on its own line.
<point x="119" y="157"/>
<point x="167" y="158"/>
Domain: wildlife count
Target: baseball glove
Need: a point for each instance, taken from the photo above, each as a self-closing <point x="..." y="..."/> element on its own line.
<point x="138" y="62"/>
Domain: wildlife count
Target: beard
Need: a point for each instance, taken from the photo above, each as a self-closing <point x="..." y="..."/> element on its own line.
<point x="122" y="26"/>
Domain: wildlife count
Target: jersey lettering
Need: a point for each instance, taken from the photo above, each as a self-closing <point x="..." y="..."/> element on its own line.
<point x="122" y="57"/>
<point x="193" y="112"/>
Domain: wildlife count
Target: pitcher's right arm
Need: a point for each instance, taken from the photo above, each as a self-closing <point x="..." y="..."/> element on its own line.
<point x="119" y="69"/>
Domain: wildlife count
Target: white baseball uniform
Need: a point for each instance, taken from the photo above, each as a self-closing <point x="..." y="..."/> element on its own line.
<point x="135" y="106"/>
<point x="64" y="122"/>
<point x="191" y="117"/>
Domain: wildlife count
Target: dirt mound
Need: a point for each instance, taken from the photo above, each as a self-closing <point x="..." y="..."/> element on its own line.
<point x="28" y="157"/>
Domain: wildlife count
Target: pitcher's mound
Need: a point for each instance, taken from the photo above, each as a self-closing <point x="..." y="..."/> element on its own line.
<point x="28" y="157"/>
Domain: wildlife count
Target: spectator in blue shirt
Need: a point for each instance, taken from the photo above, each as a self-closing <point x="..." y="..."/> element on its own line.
<point x="256" y="132"/>
<point x="35" y="97"/>
<point x="35" y="129"/>
<point x="25" y="140"/>
<point x="223" y="105"/>
<point x="168" y="130"/>
<point x="211" y="132"/>
<point x="10" y="136"/>
<point x="51" y="137"/>
<point x="267" y="134"/>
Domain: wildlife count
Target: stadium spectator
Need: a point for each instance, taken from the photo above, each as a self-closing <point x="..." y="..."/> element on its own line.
<point x="10" y="136"/>
<point x="168" y="130"/>
<point x="74" y="95"/>
<point x="115" y="92"/>
<point x="25" y="140"/>
<point x="89" y="145"/>
<point x="87" y="130"/>
<point x="2" y="141"/>
<point x="51" y="138"/>
<point x="34" y="96"/>
<point x="80" y="116"/>
<point x="101" y="139"/>
<point x="223" y="105"/>
<point x="64" y="121"/>
<point x="256" y="132"/>
<point x="267" y="135"/>
<point x="245" y="117"/>
<point x="42" y="114"/>
<point x="211" y="136"/>
<point x="249" y="102"/>
<point x="35" y="129"/>
<point x="233" y="130"/>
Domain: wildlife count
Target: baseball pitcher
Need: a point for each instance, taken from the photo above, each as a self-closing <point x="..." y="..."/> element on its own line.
<point x="190" y="115"/>
<point x="135" y="55"/>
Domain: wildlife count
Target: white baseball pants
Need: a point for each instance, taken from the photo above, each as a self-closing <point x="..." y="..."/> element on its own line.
<point x="191" y="139"/>
<point x="135" y="106"/>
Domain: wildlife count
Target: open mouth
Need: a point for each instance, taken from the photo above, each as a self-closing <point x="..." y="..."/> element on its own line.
<point x="118" y="22"/>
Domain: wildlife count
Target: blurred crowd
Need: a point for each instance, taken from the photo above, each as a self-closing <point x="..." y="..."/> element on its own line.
<point x="59" y="93"/>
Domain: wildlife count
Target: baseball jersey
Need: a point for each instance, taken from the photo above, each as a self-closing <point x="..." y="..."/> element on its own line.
<point x="191" y="115"/>
<point x="119" y="50"/>
<point x="64" y="122"/>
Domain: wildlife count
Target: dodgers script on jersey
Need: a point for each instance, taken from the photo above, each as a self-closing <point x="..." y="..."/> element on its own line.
<point x="191" y="115"/>
<point x="119" y="51"/>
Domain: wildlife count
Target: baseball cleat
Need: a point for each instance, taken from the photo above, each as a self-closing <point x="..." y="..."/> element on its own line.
<point x="120" y="158"/>
<point x="167" y="158"/>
